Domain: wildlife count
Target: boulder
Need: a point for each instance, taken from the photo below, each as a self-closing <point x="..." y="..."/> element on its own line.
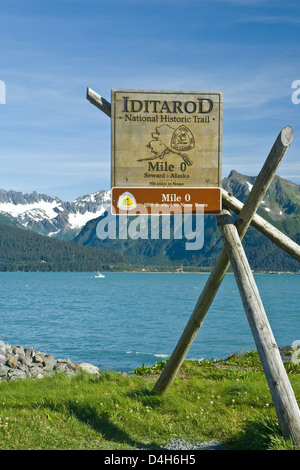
<point x="4" y="369"/>
<point x="89" y="368"/>
<point x="19" y="363"/>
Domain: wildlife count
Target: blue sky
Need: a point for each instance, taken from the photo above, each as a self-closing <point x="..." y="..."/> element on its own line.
<point x="54" y="141"/>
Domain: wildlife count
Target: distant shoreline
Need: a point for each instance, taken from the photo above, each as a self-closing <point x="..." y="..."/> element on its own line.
<point x="152" y="271"/>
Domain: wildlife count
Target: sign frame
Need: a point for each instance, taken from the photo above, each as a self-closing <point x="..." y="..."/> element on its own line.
<point x="166" y="138"/>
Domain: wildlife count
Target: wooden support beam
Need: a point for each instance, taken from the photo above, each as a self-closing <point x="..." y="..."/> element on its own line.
<point x="282" y="393"/>
<point x="98" y="101"/>
<point x="264" y="227"/>
<point x="212" y="285"/>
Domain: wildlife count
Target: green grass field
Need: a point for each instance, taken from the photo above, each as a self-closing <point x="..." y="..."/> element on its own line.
<point x="228" y="401"/>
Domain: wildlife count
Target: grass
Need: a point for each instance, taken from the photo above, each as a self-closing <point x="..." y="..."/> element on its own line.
<point x="228" y="401"/>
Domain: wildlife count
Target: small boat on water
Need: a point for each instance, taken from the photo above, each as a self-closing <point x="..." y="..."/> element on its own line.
<point x="99" y="275"/>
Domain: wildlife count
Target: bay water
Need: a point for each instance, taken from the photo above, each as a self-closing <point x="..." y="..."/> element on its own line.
<point x="124" y="320"/>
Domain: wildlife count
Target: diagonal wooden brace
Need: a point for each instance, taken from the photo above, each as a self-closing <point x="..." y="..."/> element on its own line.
<point x="282" y="393"/>
<point x="243" y="221"/>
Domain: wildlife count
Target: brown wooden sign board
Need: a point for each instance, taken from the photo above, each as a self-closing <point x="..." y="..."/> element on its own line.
<point x="166" y="138"/>
<point x="165" y="200"/>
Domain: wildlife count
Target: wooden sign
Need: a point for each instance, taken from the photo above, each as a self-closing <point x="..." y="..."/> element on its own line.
<point x="153" y="201"/>
<point x="166" y="139"/>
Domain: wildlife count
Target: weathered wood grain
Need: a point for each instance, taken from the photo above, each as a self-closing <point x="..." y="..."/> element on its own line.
<point x="98" y="101"/>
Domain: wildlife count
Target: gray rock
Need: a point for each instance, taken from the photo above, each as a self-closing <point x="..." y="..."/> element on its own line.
<point x="49" y="362"/>
<point x="18" y="351"/>
<point x="19" y="363"/>
<point x="35" y="371"/>
<point x="2" y="353"/>
<point x="14" y="374"/>
<point x="4" y="371"/>
<point x="8" y="349"/>
<point x="64" y="365"/>
<point x="29" y="352"/>
<point x="25" y="362"/>
<point x="89" y="368"/>
<point x="38" y="357"/>
<point x="12" y="361"/>
<point x="182" y="444"/>
<point x="290" y="353"/>
<point x="61" y="367"/>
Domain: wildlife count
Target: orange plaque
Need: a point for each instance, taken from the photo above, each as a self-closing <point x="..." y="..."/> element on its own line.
<point x="167" y="200"/>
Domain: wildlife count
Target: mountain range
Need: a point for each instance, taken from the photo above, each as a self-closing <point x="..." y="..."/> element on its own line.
<point x="50" y="216"/>
<point x="77" y="221"/>
<point x="36" y="233"/>
<point x="280" y="207"/>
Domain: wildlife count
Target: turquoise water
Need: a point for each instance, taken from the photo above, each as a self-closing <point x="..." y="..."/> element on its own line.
<point x="127" y="319"/>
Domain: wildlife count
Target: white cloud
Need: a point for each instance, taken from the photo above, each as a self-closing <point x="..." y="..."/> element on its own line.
<point x="245" y="2"/>
<point x="270" y="19"/>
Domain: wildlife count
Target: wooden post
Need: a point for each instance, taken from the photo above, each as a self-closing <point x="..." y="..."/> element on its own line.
<point x="264" y="227"/>
<point x="282" y="393"/>
<point x="243" y="221"/>
<point x="98" y="101"/>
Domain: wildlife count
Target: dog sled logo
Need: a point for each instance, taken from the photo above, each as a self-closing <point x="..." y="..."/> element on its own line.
<point x="167" y="140"/>
<point x="182" y="139"/>
<point x="126" y="201"/>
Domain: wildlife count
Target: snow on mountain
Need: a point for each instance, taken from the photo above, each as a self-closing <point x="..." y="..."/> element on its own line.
<point x="250" y="186"/>
<point x="46" y="209"/>
<point x="280" y="203"/>
<point x="49" y="215"/>
<point x="78" y="220"/>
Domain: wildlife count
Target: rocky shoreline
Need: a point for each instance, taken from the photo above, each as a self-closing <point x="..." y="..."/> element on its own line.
<point x="17" y="362"/>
